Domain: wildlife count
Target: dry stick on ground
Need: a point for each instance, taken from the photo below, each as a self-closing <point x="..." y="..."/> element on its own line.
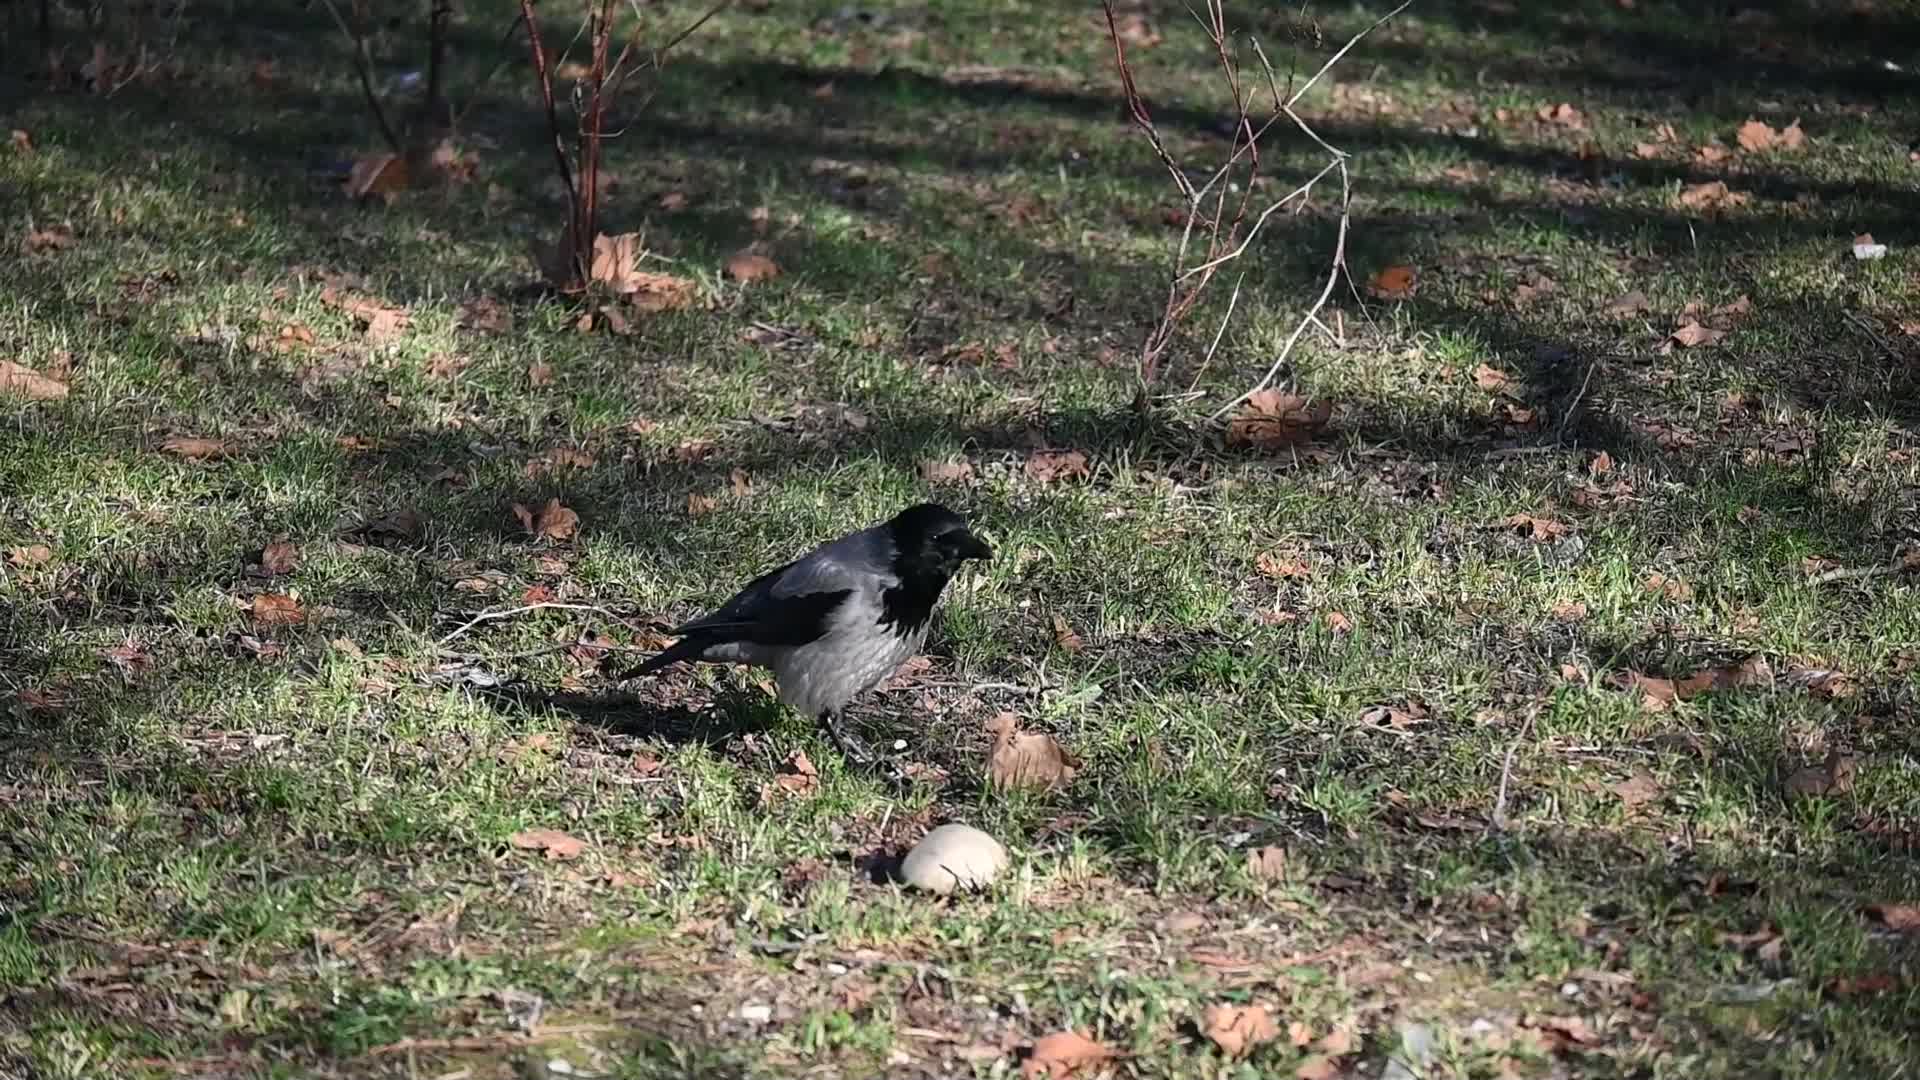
<point x="507" y="613"/>
<point x="363" y="65"/>
<point x="1498" y="819"/>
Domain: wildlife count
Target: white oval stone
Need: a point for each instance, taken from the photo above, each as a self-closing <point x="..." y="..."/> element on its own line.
<point x="954" y="857"/>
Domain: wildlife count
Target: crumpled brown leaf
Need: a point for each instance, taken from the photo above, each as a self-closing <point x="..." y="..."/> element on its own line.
<point x="1024" y="759"/>
<point x="1271" y="420"/>
<point x="1237" y="1029"/>
<point x="1062" y="1054"/>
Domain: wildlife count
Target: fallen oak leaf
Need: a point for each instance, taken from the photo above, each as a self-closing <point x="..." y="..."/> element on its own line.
<point x="1271" y="420"/>
<point x="384" y="175"/>
<point x="53" y="238"/>
<point x="1237" y="1029"/>
<point x="556" y="844"/>
<point x="553" y="521"/>
<point x="1637" y="789"/>
<point x="1532" y="526"/>
<point x="1046" y="466"/>
<point x="22" y="381"/>
<point x="276" y="609"/>
<point x="1394" y="282"/>
<point x="1061" y="1055"/>
<point x="1834" y="776"/>
<point x="748" y="267"/>
<point x="1064" y="635"/>
<point x="1691" y="335"/>
<point x="1025" y="759"/>
<point x="30" y="555"/>
<point x="279" y="557"/>
<point x="947" y="471"/>
<point x="194" y="449"/>
<point x="1712" y="195"/>
<point x="1902" y="917"/>
<point x="1268" y="863"/>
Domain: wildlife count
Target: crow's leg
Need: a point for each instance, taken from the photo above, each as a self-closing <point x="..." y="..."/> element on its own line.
<point x="856" y="750"/>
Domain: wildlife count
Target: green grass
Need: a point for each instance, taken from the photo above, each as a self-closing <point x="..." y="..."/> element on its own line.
<point x="237" y="849"/>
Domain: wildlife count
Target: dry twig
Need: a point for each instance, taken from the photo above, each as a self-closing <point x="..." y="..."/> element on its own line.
<point x="1208" y="213"/>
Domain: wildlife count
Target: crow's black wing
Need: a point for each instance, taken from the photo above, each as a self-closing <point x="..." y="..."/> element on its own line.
<point x="788" y="605"/>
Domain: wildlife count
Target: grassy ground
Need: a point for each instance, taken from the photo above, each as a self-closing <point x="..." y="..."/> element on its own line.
<point x="238" y="845"/>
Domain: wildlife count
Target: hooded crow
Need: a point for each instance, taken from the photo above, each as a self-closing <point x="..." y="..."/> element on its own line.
<point x="837" y="621"/>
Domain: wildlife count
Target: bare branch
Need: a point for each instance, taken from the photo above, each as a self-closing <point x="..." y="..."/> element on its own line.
<point x="363" y="65"/>
<point x="573" y="239"/>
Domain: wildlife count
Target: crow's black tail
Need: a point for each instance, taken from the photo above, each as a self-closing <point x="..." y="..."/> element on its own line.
<point x="687" y="648"/>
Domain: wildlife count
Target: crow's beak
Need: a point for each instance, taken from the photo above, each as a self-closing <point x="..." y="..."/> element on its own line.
<point x="972" y="547"/>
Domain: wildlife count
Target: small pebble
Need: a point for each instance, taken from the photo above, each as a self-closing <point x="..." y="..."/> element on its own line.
<point x="560" y="1066"/>
<point x="899" y="744"/>
<point x="757" y="1014"/>
<point x="954" y="856"/>
<point x="836" y="969"/>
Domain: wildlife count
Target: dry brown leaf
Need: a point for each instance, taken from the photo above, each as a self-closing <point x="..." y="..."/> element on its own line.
<point x="700" y="505"/>
<point x="556" y="844"/>
<point x="1267" y="863"/>
<point x="25" y="382"/>
<point x="194" y="449"/>
<point x="660" y="292"/>
<point x="1691" y="334"/>
<point x="30" y="555"/>
<point x="22" y="142"/>
<point x="1902" y="917"/>
<point x="1791" y="137"/>
<point x="1338" y="622"/>
<point x="1395" y="282"/>
<point x="53" y="238"/>
<point x="1669" y="587"/>
<point x="1712" y="195"/>
<point x="1399" y="718"/>
<point x="1272" y="564"/>
<point x="1712" y="154"/>
<point x="553" y="521"/>
<point x="485" y="314"/>
<point x="1632" y="303"/>
<point x="276" y="609"/>
<point x="383" y="322"/>
<point x="384" y="175"/>
<point x="1834" y="776"/>
<point x="1316" y="1068"/>
<point x="1061" y="1055"/>
<point x="798" y="775"/>
<point x="947" y="471"/>
<point x="740" y="482"/>
<point x="279" y="557"/>
<point x="1533" y="527"/>
<point x="616" y="260"/>
<point x="1271" y="420"/>
<point x="1237" y="1029"/>
<point x="1562" y="115"/>
<point x="1646" y="150"/>
<point x="748" y="267"/>
<point x="1637" y="789"/>
<point x="672" y="201"/>
<point x="1046" y="466"/>
<point x="539" y="374"/>
<point x="1026" y="759"/>
<point x="1755" y="136"/>
<point x="1064" y="635"/>
<point x="1491" y="378"/>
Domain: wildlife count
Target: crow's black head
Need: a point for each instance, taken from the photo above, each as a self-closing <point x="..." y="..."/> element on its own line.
<point x="929" y="544"/>
<point x="930" y="539"/>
